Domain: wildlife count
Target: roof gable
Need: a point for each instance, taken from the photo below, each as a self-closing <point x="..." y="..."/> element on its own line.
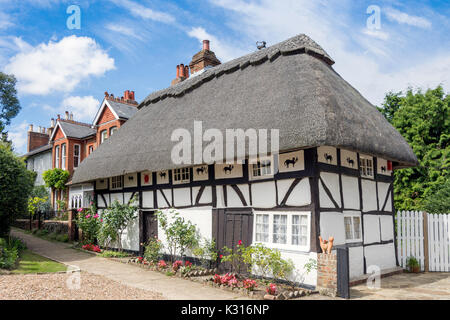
<point x="58" y="133"/>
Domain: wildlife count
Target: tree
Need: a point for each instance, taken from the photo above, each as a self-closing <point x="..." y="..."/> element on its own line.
<point x="423" y="120"/>
<point x="16" y="184"/>
<point x="42" y="193"/>
<point x="56" y="178"/>
<point x="439" y="201"/>
<point x="9" y="104"/>
<point x="115" y="220"/>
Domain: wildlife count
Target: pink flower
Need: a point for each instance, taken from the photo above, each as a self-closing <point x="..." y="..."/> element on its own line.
<point x="101" y="220"/>
<point x="80" y="209"/>
<point x="240" y="243"/>
<point x="88" y="216"/>
<point x="96" y="216"/>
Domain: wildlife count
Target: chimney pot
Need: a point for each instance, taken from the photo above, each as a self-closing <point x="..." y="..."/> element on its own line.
<point x="59" y="117"/>
<point x="127" y="95"/>
<point x="132" y="95"/>
<point x="186" y="71"/>
<point x="67" y="115"/>
<point x="182" y="71"/>
<point x="178" y="71"/>
<point x="71" y="116"/>
<point x="206" y="45"/>
<point x="52" y="123"/>
<point x="30" y="129"/>
<point x="106" y="94"/>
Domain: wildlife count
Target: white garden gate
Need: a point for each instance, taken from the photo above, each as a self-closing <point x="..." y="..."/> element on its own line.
<point x="426" y="237"/>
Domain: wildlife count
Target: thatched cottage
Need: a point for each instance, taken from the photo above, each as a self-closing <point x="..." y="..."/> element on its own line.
<point x="333" y="175"/>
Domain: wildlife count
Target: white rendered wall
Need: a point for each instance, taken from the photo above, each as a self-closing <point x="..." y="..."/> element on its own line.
<point x="350" y="190"/>
<point x="382" y="256"/>
<point x="331" y="180"/>
<point x="356" y="260"/>
<point x="332" y="225"/>
<point x="264" y="195"/>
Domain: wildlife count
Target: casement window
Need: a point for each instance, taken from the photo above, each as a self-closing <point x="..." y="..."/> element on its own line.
<point x="112" y="131"/>
<point x="366" y="166"/>
<point x="181" y="175"/>
<point x="263" y="168"/>
<point x="91" y="149"/>
<point x="63" y="156"/>
<point x="76" y="155"/>
<point x="57" y="150"/>
<point x="262" y="228"/>
<point x="352" y="228"/>
<point x="283" y="230"/>
<point x="116" y="183"/>
<point x="103" y="135"/>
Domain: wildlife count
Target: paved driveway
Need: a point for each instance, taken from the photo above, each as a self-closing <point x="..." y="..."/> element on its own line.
<point x="170" y="288"/>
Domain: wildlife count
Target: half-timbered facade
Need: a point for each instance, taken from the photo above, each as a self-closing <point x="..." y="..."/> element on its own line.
<point x="333" y="175"/>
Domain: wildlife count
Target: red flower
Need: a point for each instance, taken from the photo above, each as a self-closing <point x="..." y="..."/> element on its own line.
<point x="240" y="243"/>
<point x="221" y="256"/>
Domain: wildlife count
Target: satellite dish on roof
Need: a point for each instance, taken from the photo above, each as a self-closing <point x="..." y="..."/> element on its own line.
<point x="261" y="44"/>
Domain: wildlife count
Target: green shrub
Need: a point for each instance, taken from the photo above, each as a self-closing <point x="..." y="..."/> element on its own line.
<point x="52" y="236"/>
<point x="42" y="233"/>
<point x="34" y="231"/>
<point x="153" y="250"/>
<point x="90" y="223"/>
<point x="10" y="250"/>
<point x="114" y="254"/>
<point x="62" y="238"/>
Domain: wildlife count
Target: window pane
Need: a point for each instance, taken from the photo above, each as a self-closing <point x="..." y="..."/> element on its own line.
<point x="279" y="229"/>
<point x="300" y="230"/>
<point x="348" y="228"/>
<point x="357" y="227"/>
<point x="262" y="228"/>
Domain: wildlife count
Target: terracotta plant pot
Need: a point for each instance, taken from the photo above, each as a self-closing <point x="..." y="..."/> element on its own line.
<point x="415" y="269"/>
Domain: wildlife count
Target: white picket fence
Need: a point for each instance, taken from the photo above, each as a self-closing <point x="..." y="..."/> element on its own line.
<point x="429" y="245"/>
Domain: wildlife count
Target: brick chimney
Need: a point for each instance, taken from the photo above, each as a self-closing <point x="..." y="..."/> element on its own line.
<point x="203" y="59"/>
<point x="128" y="97"/>
<point x="182" y="74"/>
<point x="37" y="139"/>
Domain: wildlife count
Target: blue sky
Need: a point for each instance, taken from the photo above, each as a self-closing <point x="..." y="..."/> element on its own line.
<point x="136" y="45"/>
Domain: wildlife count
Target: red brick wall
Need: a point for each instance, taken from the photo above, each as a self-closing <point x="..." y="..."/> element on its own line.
<point x="36" y="140"/>
<point x="327" y="274"/>
<point x="106" y="116"/>
<point x="108" y="126"/>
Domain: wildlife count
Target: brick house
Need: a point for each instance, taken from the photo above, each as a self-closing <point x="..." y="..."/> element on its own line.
<point x="67" y="142"/>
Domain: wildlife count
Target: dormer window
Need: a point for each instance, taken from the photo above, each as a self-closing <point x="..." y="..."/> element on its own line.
<point x="181" y="175"/>
<point x="263" y="168"/>
<point x="116" y="183"/>
<point x="103" y="136"/>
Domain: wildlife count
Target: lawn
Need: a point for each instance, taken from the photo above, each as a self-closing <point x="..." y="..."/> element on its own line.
<point x="30" y="262"/>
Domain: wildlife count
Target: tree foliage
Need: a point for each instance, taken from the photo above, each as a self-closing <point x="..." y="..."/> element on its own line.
<point x="423" y="120"/>
<point x="9" y="104"/>
<point x="116" y="219"/>
<point x="56" y="178"/>
<point x="16" y="184"/>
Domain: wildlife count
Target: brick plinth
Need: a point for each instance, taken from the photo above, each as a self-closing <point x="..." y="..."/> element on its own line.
<point x="327" y="274"/>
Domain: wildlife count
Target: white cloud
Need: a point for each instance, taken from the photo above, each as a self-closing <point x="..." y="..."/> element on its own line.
<point x="58" y="66"/>
<point x="404" y="18"/>
<point x="124" y="30"/>
<point x="5" y="21"/>
<point x="84" y="108"/>
<point x="223" y="51"/>
<point x="376" y="34"/>
<point x="19" y="135"/>
<point x="374" y="63"/>
<point x="141" y="11"/>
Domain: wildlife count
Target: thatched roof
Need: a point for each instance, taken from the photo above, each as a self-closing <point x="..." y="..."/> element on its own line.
<point x="290" y="86"/>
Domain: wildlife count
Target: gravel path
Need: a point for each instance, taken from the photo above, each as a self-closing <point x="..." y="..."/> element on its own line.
<point x="54" y="287"/>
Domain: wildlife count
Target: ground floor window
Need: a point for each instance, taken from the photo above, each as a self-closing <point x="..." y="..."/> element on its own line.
<point x="284" y="230"/>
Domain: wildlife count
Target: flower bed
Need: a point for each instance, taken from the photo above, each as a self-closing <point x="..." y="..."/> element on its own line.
<point x="256" y="288"/>
<point x="178" y="268"/>
<point x="91" y="247"/>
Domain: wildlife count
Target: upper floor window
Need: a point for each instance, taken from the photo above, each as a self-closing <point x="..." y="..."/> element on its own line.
<point x="112" y="131"/>
<point x="63" y="156"/>
<point x="116" y="183"/>
<point x="366" y="166"/>
<point x="103" y="136"/>
<point x="76" y="155"/>
<point x="262" y="168"/>
<point x="90" y="149"/>
<point x="181" y="175"/>
<point x="57" y="150"/>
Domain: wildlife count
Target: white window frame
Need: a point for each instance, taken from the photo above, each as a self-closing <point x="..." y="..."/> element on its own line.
<point x="181" y="175"/>
<point x="103" y="135"/>
<point x="112" y="130"/>
<point x="366" y="170"/>
<point x="288" y="246"/>
<point x="79" y="155"/>
<point x="352" y="216"/>
<point x="57" y="156"/>
<point x="115" y="184"/>
<point x="253" y="167"/>
<point x="63" y="156"/>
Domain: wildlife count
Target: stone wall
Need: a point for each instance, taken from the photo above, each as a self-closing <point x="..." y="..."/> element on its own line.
<point x="327" y="274"/>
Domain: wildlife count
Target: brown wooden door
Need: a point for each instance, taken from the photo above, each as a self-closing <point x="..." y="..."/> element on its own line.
<point x="148" y="228"/>
<point x="230" y="226"/>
